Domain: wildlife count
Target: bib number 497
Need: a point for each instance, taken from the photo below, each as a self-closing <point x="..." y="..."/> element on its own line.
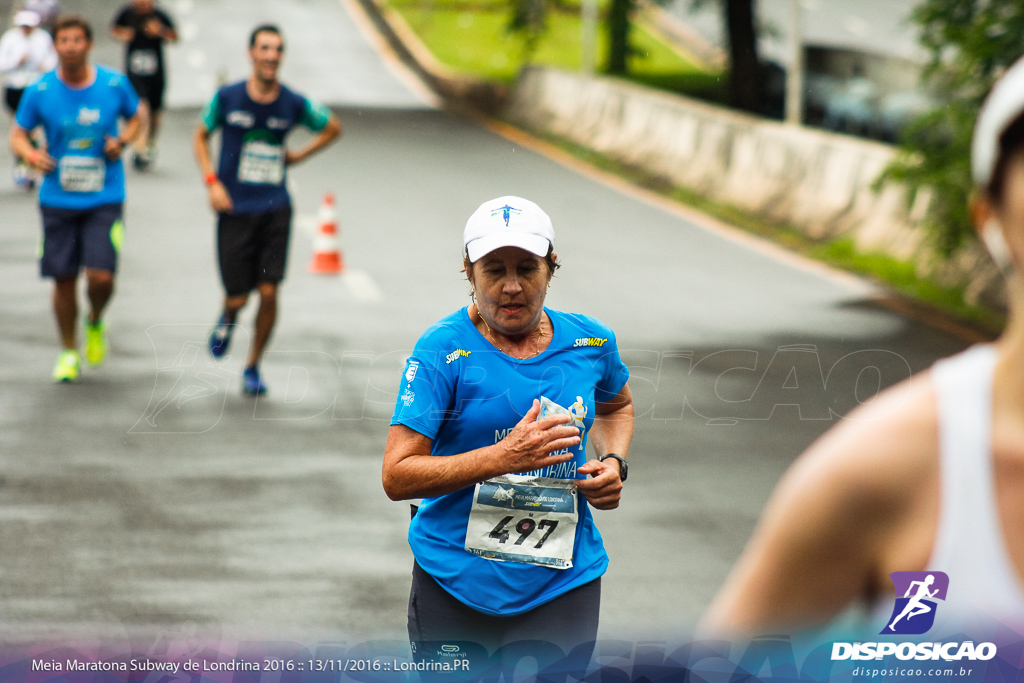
<point x="524" y="528"/>
<point x="531" y="520"/>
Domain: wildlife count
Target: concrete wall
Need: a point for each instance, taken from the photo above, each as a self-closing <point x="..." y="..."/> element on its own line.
<point x="818" y="182"/>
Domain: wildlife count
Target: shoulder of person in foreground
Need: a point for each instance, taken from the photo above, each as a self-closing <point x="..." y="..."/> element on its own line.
<point x="861" y="502"/>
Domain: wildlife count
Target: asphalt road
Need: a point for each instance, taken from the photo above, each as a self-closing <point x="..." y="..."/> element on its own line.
<point x="152" y="496"/>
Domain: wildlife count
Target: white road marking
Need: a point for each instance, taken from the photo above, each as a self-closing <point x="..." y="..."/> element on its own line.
<point x="196" y="58"/>
<point x="361" y="286"/>
<point x="306" y="223"/>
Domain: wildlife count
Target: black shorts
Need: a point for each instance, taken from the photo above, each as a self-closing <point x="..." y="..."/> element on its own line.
<point x="559" y="634"/>
<point x="252" y="248"/>
<point x="150" y="88"/>
<point x="12" y="97"/>
<point x="80" y="238"/>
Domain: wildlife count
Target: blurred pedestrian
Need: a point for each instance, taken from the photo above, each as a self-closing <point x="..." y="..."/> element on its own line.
<point x="26" y="53"/>
<point x="926" y="477"/>
<point x="48" y="11"/>
<point x="79" y="106"/>
<point x="145" y="28"/>
<point x="495" y="410"/>
<point x="248" y="189"/>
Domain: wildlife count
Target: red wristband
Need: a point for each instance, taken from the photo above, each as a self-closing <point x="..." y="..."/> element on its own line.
<point x="210" y="179"/>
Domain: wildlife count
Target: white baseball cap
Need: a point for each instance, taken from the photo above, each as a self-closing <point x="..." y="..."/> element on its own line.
<point x="1002" y="107"/>
<point x="26" y="18"/>
<point x="508" y="222"/>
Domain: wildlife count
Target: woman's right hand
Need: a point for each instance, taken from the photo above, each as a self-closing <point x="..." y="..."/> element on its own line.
<point x="530" y="444"/>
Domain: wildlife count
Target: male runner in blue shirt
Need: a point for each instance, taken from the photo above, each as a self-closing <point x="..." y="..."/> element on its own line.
<point x="248" y="189"/>
<point x="79" y="105"/>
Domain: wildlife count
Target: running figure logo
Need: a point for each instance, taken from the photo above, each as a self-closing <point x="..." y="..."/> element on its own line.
<point x="505" y="212"/>
<point x="504" y="494"/>
<point x="914" y="613"/>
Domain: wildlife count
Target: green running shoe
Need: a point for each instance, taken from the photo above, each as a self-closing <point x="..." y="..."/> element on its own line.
<point x="95" y="343"/>
<point x="68" y="366"/>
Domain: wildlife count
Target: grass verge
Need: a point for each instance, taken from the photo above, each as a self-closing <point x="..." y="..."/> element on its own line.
<point x="900" y="276"/>
<point x="472" y="38"/>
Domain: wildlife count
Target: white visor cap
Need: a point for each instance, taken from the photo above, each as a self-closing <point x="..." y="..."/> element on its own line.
<point x="508" y="222"/>
<point x="26" y="18"/>
<point x="1002" y="107"/>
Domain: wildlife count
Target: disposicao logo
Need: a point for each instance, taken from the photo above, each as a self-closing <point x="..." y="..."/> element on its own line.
<point x="914" y="614"/>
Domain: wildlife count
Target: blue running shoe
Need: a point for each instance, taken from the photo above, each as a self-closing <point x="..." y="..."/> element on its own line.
<point x="220" y="337"/>
<point x="252" y="383"/>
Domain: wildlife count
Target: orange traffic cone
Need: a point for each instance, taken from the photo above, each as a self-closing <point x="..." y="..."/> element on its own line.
<point x="327" y="258"/>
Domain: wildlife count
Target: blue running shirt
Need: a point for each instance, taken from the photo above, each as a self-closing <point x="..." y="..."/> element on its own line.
<point x="77" y="123"/>
<point x="463" y="393"/>
<point x="252" y="149"/>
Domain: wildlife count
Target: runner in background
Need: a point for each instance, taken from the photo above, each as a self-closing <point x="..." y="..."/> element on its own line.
<point x="927" y="477"/>
<point x="26" y="53"/>
<point x="79" y="106"/>
<point x="145" y="28"/>
<point x="48" y="11"/>
<point x="248" y="190"/>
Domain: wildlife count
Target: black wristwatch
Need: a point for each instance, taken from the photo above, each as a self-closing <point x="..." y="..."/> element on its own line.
<point x="623" y="467"/>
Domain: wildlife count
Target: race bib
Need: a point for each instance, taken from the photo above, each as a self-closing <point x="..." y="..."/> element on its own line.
<point x="261" y="163"/>
<point x="143" y="62"/>
<point x="532" y="520"/>
<point x="82" y="174"/>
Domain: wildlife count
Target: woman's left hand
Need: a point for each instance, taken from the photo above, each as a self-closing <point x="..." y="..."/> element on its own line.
<point x="604" y="489"/>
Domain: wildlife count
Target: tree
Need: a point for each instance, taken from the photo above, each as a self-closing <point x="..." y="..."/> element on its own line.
<point x="970" y="43"/>
<point x="620" y="15"/>
<point x="744" y="67"/>
<point x="745" y="76"/>
<point x="530" y="20"/>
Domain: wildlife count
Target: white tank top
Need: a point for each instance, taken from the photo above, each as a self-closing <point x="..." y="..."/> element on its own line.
<point x="969" y="544"/>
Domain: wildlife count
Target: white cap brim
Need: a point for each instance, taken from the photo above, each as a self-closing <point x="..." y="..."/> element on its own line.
<point x="535" y="244"/>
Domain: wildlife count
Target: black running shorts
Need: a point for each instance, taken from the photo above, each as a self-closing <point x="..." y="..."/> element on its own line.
<point x="252" y="248"/>
<point x="80" y="238"/>
<point x="559" y="634"/>
<point x="150" y="89"/>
